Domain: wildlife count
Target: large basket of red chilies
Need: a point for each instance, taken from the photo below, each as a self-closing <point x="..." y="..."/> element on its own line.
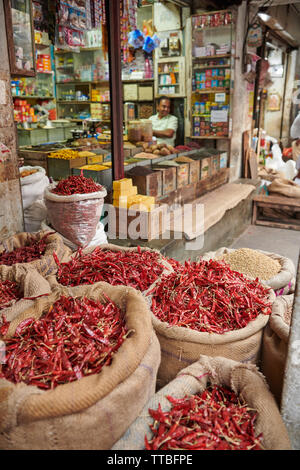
<point x="78" y="368"/>
<point x="74" y="208"/>
<point x="206" y="308"/>
<point x="275" y="344"/>
<point x="32" y="251"/>
<point x="214" y="404"/>
<point x="137" y="267"/>
<point x="272" y="269"/>
<point x="18" y="290"/>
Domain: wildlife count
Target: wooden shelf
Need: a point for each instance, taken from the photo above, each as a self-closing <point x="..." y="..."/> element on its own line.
<point x="208" y="57"/>
<point x="34" y="97"/>
<point x="82" y="49"/>
<point x="212" y="90"/>
<point x="203" y="67"/>
<point x="78" y="82"/>
<point x="209" y="137"/>
<point x="144" y="80"/>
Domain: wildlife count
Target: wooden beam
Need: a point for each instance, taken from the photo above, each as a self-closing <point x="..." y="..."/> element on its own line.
<point x="113" y="8"/>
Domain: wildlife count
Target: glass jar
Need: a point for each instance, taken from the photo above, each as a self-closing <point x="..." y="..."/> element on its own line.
<point x="147" y="130"/>
<point x="134" y="131"/>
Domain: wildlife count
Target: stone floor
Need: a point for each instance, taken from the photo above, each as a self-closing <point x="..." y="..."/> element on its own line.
<point x="275" y="240"/>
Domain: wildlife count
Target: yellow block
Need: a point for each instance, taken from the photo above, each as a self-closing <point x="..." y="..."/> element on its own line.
<point x="93" y="167"/>
<point x="122" y="185"/>
<point x="149" y="200"/>
<point x="129" y="192"/>
<point x="117" y="203"/>
<point x="95" y="159"/>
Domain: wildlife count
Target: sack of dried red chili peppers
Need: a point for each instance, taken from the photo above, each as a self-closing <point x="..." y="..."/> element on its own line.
<point x="206" y="308"/>
<point x="74" y="208"/>
<point x="275" y="344"/>
<point x="275" y="271"/>
<point x="214" y="404"/>
<point x="32" y="251"/>
<point x="18" y="290"/>
<point x="78" y="366"/>
<point x="140" y="267"/>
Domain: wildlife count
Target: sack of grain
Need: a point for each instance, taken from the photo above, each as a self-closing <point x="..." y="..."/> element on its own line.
<point x="94" y="411"/>
<point x="30" y="284"/>
<point x="275" y="344"/>
<point x="45" y="265"/>
<point x="33" y="185"/>
<point x="75" y="217"/>
<point x="273" y="270"/>
<point x="183" y="306"/>
<point x="244" y="380"/>
<point x="113" y="269"/>
<point x="284" y="187"/>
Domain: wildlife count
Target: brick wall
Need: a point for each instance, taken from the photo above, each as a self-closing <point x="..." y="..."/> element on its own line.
<point x="11" y="211"/>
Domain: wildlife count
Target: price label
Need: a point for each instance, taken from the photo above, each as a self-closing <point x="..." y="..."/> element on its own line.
<point x="219" y="116"/>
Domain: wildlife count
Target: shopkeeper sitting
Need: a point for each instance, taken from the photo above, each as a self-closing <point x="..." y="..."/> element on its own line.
<point x="164" y="124"/>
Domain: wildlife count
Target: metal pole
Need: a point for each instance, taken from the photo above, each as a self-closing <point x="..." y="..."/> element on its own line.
<point x="113" y="8"/>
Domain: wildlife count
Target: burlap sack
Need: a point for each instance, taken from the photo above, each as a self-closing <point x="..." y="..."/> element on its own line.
<point x="282" y="280"/>
<point x="167" y="267"/>
<point x="275" y="344"/>
<point x="46" y="264"/>
<point x="94" y="412"/>
<point x="30" y="283"/>
<point x="284" y="187"/>
<point x="181" y="346"/>
<point x="243" y="379"/>
<point x="269" y="174"/>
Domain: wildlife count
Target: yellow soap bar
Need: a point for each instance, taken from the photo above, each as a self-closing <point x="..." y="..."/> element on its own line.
<point x="117" y="203"/>
<point x="129" y="192"/>
<point x="122" y="185"/>
<point x="149" y="200"/>
<point x="93" y="167"/>
<point x="95" y="159"/>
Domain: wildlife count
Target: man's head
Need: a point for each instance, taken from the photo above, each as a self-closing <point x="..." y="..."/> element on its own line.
<point x="163" y="106"/>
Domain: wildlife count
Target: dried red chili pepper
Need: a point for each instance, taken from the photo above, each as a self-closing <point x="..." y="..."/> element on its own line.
<point x="208" y="296"/>
<point x="75" y="338"/>
<point x="32" y="251"/>
<point x="216" y="419"/>
<point x="76" y="184"/>
<point x="138" y="269"/>
<point x="9" y="293"/>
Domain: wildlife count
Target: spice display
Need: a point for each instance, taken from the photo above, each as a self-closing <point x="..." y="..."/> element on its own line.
<point x="76" y="184"/>
<point x="65" y="154"/>
<point x="9" y="294"/>
<point x="216" y="419"/>
<point x="32" y="251"/>
<point x="252" y="263"/>
<point x="138" y="269"/>
<point x="157" y="149"/>
<point x="73" y="339"/>
<point x="208" y="296"/>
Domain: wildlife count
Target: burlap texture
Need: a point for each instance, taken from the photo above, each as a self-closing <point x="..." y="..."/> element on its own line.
<point x="284" y="187"/>
<point x="275" y="345"/>
<point x="280" y="281"/>
<point x="109" y="246"/>
<point x="30" y="283"/>
<point x="91" y="413"/>
<point x="181" y="346"/>
<point x="243" y="379"/>
<point x="46" y="264"/>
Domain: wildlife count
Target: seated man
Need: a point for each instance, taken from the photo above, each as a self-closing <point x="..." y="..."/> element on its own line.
<point x="164" y="124"/>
